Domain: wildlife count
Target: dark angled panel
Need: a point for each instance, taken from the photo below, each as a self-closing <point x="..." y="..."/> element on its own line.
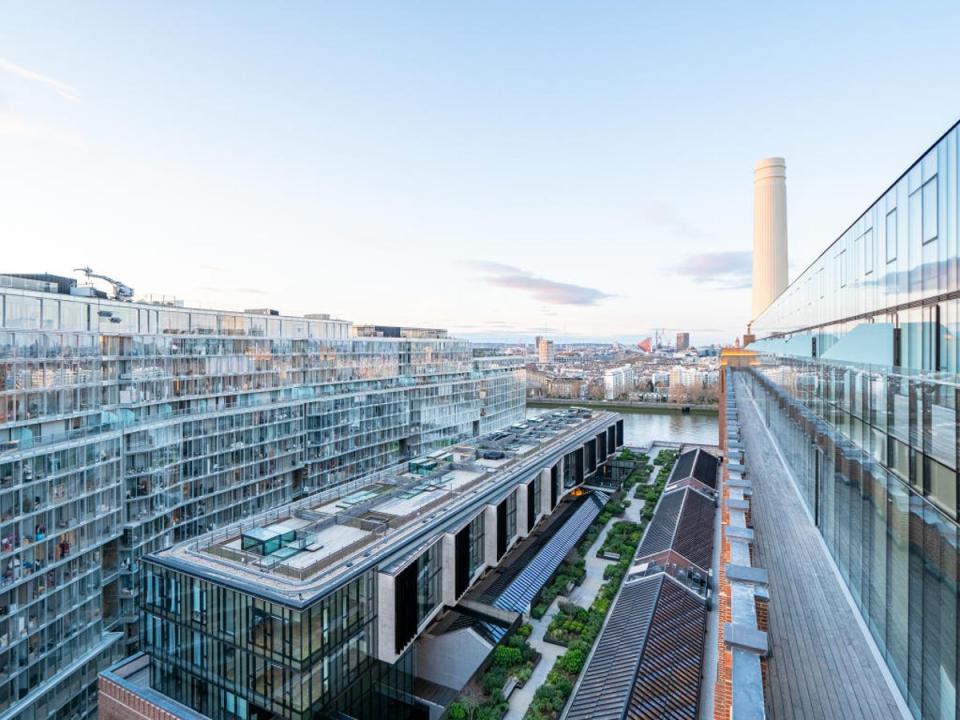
<point x="668" y="679"/>
<point x="619" y="433"/>
<point x="554" y="485"/>
<point x="590" y="449"/>
<point x="601" y="447"/>
<point x="405" y="606"/>
<point x="501" y="529"/>
<point x="531" y="510"/>
<point x="611" y="438"/>
<point x="462" y="560"/>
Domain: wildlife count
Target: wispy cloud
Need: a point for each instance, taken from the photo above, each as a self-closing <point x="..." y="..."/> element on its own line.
<point x="729" y="270"/>
<point x="61" y="88"/>
<point x="547" y="291"/>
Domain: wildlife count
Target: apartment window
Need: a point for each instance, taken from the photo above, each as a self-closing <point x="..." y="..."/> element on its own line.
<point x="892" y="235"/>
<point x="869" y="249"/>
<point x="428" y="571"/>
<point x="930" y="227"/>
<point x="842" y="268"/>
<point x="22" y="312"/>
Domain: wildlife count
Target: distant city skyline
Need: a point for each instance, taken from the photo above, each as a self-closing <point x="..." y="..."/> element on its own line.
<point x="580" y="172"/>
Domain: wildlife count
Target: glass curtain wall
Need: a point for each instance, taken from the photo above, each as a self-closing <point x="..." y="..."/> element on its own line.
<point x="875" y="456"/>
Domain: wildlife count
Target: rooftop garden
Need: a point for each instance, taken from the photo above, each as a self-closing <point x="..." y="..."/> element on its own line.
<point x="578" y="628"/>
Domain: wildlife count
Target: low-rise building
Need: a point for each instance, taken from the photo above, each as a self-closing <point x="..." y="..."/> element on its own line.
<point x="320" y="607"/>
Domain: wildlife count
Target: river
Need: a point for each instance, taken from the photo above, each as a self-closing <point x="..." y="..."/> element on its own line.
<point x="642" y="428"/>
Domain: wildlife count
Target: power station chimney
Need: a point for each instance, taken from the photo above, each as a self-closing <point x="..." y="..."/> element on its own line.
<point x="769" y="232"/>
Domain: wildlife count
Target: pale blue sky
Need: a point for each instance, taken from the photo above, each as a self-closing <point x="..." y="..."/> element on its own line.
<point x="495" y="167"/>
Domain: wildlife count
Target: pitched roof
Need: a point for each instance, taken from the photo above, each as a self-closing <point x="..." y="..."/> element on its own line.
<point x="649" y="657"/>
<point x="696" y="464"/>
<point x="683" y="522"/>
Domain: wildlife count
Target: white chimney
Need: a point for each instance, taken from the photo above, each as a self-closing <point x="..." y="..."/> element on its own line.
<point x="769" y="232"/>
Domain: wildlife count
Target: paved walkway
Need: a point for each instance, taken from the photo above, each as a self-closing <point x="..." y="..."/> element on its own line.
<point x="820" y="665"/>
<point x="581" y="595"/>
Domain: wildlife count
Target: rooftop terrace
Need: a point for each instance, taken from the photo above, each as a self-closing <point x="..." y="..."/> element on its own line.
<point x="299" y="550"/>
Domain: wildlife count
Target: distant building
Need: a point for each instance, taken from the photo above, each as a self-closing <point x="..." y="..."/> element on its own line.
<point x="394" y="331"/>
<point x="617" y="382"/>
<point x="545" y="351"/>
<point x="683" y="341"/>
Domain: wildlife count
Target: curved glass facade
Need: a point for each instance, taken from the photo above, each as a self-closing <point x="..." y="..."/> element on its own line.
<point x="857" y="381"/>
<point x="894" y="272"/>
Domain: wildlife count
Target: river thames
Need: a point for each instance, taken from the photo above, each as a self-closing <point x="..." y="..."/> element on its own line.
<point x="641" y="428"/>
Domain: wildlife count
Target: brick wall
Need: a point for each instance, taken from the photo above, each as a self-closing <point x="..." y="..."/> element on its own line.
<point x="118" y="703"/>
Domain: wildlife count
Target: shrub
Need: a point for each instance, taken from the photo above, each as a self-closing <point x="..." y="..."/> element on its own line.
<point x="506" y="656"/>
<point x="572" y="661"/>
<point x="493" y="681"/>
<point x="525" y="630"/>
<point x="457" y="711"/>
<point x="538" y="611"/>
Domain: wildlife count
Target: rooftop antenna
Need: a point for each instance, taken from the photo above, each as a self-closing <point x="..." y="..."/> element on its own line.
<point x="120" y="290"/>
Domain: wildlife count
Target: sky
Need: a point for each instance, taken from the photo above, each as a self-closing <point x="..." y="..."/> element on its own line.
<point x="581" y="170"/>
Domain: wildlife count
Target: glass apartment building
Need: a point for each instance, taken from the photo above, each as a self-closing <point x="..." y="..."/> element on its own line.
<point x="319" y="608"/>
<point x="127" y="427"/>
<point x="857" y="380"/>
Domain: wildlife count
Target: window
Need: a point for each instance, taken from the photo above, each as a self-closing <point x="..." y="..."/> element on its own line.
<point x="511" y="515"/>
<point x="22" y="312"/>
<point x="892" y="235"/>
<point x="930" y="228"/>
<point x="869" y="250"/>
<point x="820" y="283"/>
<point x="429" y="566"/>
<point x="477" y="534"/>
<point x="842" y="268"/>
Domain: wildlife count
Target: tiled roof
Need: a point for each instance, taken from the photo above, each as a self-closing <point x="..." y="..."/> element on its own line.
<point x="683" y="522"/>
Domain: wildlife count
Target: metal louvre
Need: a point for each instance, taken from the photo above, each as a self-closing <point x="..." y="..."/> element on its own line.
<point x="660" y="531"/>
<point x="668" y="679"/>
<point x="609" y="676"/>
<point x="694" y="535"/>
<point x="520" y="592"/>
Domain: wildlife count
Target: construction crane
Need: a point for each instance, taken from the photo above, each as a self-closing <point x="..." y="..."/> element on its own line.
<point x="120" y="290"/>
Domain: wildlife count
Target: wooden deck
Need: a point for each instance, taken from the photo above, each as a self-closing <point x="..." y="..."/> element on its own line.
<point x="820" y="664"/>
